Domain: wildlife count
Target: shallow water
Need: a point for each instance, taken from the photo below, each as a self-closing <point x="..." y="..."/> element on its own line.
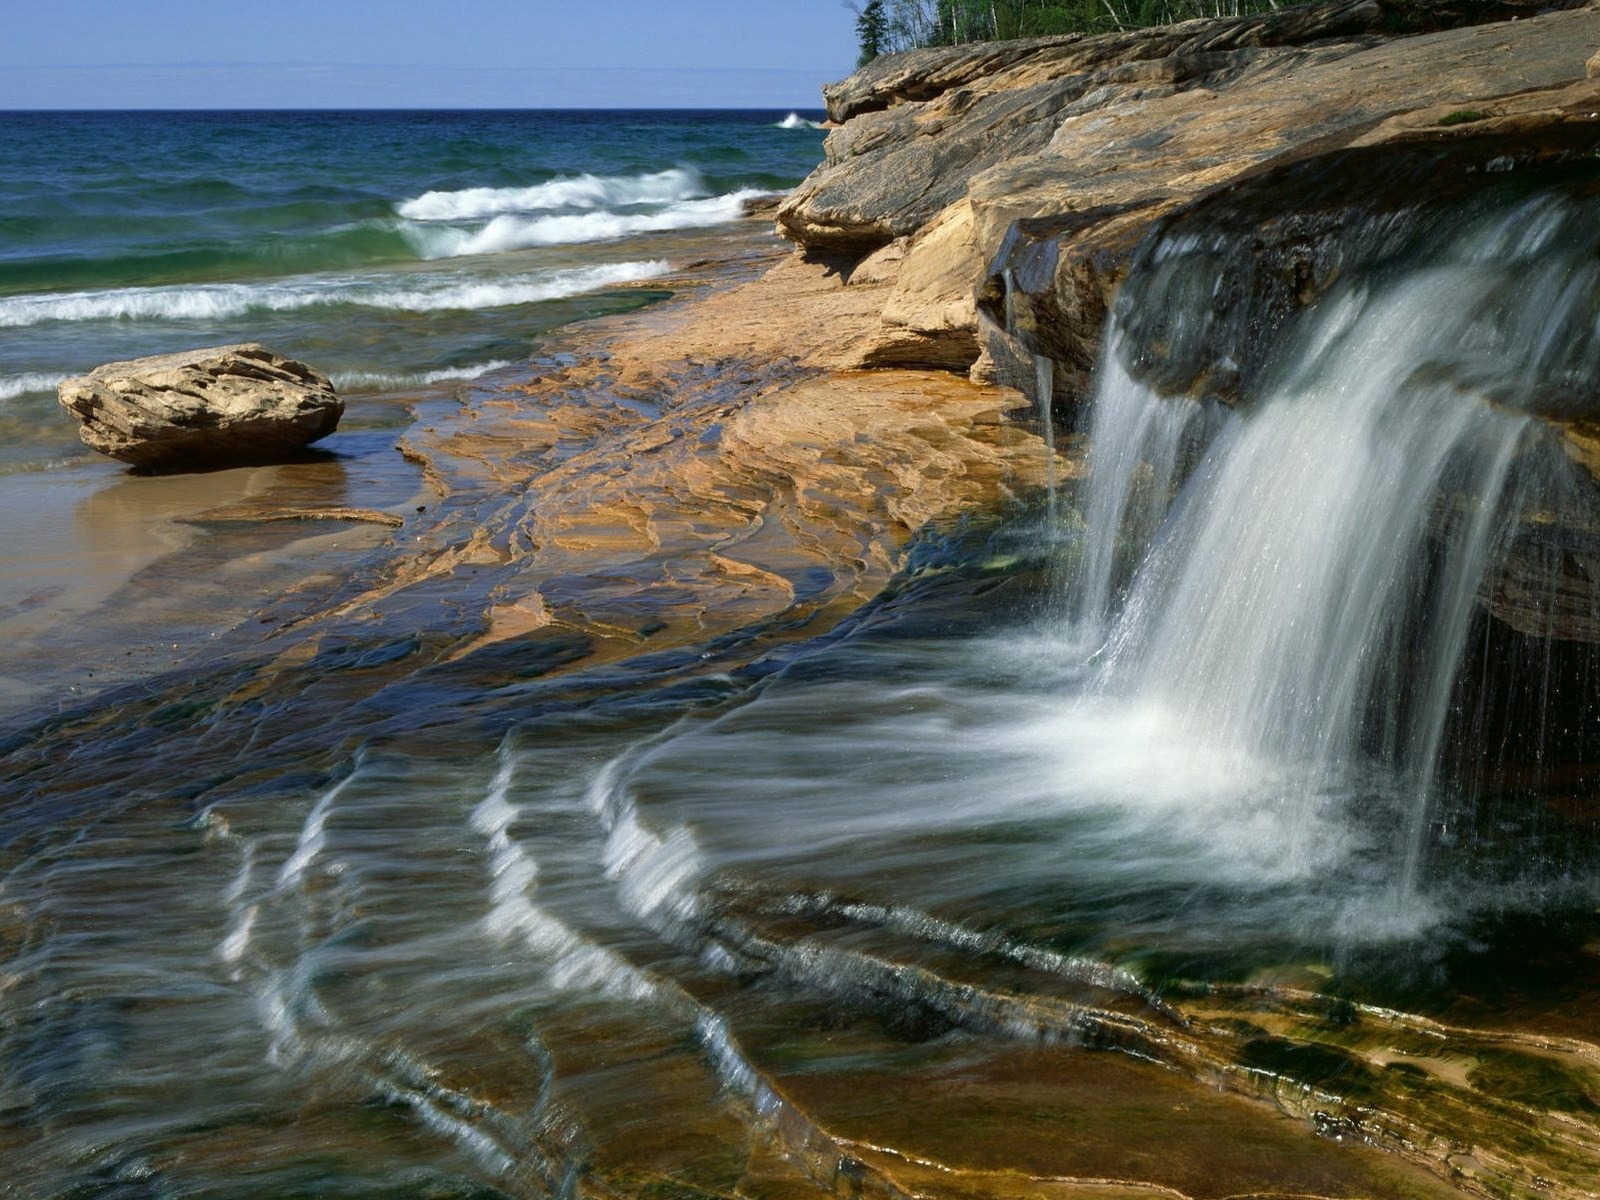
<point x="389" y="249"/>
<point x="943" y="896"/>
<point x="347" y="940"/>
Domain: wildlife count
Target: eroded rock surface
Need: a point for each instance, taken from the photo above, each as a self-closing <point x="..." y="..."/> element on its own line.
<point x="1055" y="155"/>
<point x="203" y="408"/>
<point x="1011" y="185"/>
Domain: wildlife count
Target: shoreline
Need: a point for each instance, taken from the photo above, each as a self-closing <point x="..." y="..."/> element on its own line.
<point x="181" y="572"/>
<point x="519" y="664"/>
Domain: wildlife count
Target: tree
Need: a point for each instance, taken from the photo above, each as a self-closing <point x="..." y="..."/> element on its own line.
<point x="872" y="31"/>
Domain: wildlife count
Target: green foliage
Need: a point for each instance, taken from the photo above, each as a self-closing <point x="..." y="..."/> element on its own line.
<point x="1463" y="116"/>
<point x="872" y="31"/>
<point x="912" y="23"/>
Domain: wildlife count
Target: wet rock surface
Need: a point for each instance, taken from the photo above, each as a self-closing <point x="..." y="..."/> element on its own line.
<point x="1012" y="185"/>
<point x="199" y="409"/>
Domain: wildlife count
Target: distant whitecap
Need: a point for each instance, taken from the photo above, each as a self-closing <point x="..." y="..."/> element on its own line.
<point x="408" y="293"/>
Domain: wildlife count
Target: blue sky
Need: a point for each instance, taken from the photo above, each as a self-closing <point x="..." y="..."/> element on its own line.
<point x="421" y="53"/>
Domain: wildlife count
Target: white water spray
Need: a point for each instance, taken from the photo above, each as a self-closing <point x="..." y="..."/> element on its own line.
<point x="1301" y="613"/>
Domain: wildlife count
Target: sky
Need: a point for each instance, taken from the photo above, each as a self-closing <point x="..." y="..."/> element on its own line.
<point x="422" y="53"/>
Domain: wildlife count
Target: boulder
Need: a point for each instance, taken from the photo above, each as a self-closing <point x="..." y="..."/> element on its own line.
<point x="216" y="407"/>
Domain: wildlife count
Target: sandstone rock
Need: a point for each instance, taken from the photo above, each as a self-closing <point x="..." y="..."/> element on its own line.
<point x="925" y="74"/>
<point x="1065" y="151"/>
<point x="928" y="319"/>
<point x="919" y="125"/>
<point x="202" y="408"/>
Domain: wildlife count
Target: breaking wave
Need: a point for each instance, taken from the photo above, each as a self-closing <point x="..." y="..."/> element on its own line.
<point x="349" y="381"/>
<point x="795" y="121"/>
<point x="508" y="232"/>
<point x="576" y="192"/>
<point x="12" y="386"/>
<point x="418" y="293"/>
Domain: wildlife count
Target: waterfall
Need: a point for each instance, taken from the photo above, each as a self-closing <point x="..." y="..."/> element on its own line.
<point x="1141" y="446"/>
<point x="1044" y="372"/>
<point x="1302" y="608"/>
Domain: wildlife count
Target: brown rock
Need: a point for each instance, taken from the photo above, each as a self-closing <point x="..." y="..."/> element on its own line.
<point x="928" y="318"/>
<point x="202" y="408"/>
<point x="1064" y="151"/>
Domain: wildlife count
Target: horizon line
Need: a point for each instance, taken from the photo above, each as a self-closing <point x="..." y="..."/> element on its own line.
<point x="441" y="108"/>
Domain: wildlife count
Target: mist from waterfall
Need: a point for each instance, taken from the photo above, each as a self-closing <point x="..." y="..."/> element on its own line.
<point x="1299" y="614"/>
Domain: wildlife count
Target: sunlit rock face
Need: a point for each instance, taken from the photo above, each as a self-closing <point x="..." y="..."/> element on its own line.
<point x="919" y="125"/>
<point x="1055" y="155"/>
<point x="203" y="408"/>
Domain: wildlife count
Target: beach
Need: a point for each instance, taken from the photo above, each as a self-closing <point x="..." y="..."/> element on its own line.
<point x="319" y="259"/>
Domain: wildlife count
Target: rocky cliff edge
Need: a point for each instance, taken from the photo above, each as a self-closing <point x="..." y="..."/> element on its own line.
<point x="1054" y="156"/>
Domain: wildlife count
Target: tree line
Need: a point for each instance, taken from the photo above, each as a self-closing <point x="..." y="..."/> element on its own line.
<point x="884" y="26"/>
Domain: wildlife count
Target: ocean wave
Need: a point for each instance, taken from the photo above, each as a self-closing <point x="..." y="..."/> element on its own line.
<point x="507" y="232"/>
<point x="222" y="300"/>
<point x="795" y="121"/>
<point x="579" y="192"/>
<point x="12" y="386"/>
<point x="392" y="381"/>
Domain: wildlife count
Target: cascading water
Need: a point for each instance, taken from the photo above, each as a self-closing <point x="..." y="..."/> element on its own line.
<point x="1044" y="391"/>
<point x="1299" y="618"/>
<point x="1141" y="447"/>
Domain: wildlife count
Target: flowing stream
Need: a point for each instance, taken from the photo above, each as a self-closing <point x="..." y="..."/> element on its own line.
<point x="716" y="922"/>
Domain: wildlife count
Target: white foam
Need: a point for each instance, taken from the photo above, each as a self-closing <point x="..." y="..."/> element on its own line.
<point x="508" y="232"/>
<point x="732" y="1067"/>
<point x="351" y="380"/>
<point x="795" y="121"/>
<point x="238" y="940"/>
<point x="653" y="872"/>
<point x="488" y="1152"/>
<point x="575" y="964"/>
<point x="413" y="293"/>
<point x="581" y="192"/>
<point x="12" y="386"/>
<point x="313" y="835"/>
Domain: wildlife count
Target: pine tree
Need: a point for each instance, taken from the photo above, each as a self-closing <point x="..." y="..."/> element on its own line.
<point x="872" y="31"/>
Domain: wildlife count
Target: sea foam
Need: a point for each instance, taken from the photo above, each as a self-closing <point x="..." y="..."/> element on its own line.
<point x="795" y="121"/>
<point x="576" y="192"/>
<point x="416" y="293"/>
<point x="347" y="381"/>
<point x="509" y="232"/>
<point x="12" y="386"/>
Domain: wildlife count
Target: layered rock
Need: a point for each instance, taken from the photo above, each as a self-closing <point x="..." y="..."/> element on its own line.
<point x="202" y="408"/>
<point x="1005" y="189"/>
<point x="1051" y="157"/>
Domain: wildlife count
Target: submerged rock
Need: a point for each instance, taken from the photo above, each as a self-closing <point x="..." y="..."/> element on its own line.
<point x="202" y="408"/>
